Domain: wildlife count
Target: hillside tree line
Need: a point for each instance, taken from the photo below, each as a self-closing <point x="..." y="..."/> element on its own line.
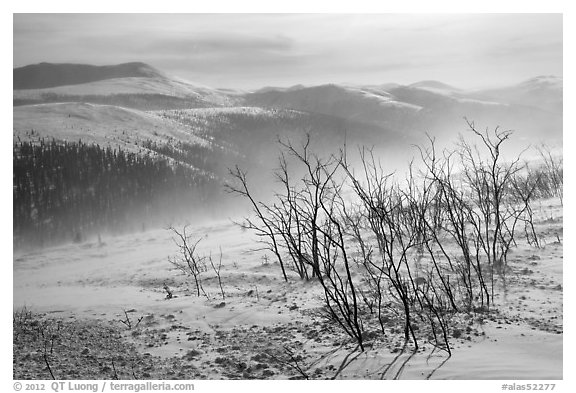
<point x="67" y="190"/>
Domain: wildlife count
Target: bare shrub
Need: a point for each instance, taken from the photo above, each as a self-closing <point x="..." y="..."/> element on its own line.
<point x="420" y="250"/>
<point x="128" y="322"/>
<point x="306" y="225"/>
<point x="43" y="332"/>
<point x="553" y="173"/>
<point x="394" y="216"/>
<point x="188" y="261"/>
<point x="191" y="263"/>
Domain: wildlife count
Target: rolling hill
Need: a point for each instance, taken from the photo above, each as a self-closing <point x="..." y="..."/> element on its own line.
<point x="533" y="108"/>
<point x="105" y="125"/>
<point x="44" y="75"/>
<point x="128" y="104"/>
<point x="542" y="92"/>
<point x="132" y="85"/>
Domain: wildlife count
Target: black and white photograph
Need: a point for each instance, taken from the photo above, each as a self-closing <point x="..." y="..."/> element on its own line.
<point x="288" y="196"/>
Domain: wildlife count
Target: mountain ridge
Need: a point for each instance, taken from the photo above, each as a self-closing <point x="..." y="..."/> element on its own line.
<point x="45" y="75"/>
<point x="390" y="110"/>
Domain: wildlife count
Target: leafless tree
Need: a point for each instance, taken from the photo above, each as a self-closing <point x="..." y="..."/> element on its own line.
<point x="262" y="225"/>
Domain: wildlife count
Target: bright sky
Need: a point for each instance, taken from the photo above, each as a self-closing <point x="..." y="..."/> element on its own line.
<point x="256" y="50"/>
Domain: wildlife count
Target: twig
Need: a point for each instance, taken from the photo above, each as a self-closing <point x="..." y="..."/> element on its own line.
<point x="128" y="322"/>
<point x="217" y="271"/>
<point x="48" y="365"/>
<point x="292" y="362"/>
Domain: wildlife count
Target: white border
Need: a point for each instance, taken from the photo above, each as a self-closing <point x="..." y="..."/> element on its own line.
<point x="300" y="6"/>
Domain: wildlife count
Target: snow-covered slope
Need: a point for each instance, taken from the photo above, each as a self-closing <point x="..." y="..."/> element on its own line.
<point x="102" y="124"/>
<point x="131" y="85"/>
<point x="376" y="114"/>
<point x="98" y="280"/>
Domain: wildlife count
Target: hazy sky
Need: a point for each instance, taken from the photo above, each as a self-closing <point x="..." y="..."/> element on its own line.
<point x="255" y="50"/>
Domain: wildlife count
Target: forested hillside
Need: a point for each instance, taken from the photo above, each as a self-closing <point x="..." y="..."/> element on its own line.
<point x="65" y="191"/>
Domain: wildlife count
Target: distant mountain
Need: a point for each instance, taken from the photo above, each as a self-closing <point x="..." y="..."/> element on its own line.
<point x="132" y="85"/>
<point x="357" y="104"/>
<point x="435" y="86"/>
<point x="44" y="75"/>
<point x="543" y="92"/>
<point x="543" y="81"/>
<point x="430" y="106"/>
<point x="273" y="88"/>
<point x="379" y="114"/>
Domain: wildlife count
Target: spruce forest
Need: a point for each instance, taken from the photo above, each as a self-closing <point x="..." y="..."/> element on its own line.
<point x="66" y="191"/>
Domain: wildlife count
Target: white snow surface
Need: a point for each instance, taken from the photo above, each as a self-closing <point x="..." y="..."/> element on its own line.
<point x="133" y="85"/>
<point x="106" y="125"/>
<point x="101" y="280"/>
